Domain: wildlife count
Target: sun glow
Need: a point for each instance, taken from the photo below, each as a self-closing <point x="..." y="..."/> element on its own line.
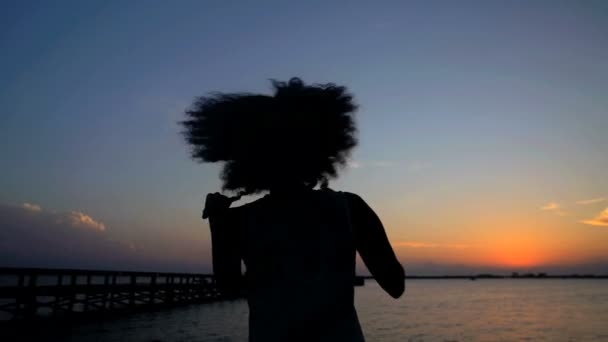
<point x="518" y="258"/>
<point x="517" y="250"/>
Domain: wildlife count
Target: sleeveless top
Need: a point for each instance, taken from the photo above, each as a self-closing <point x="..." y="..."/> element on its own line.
<point x="299" y="251"/>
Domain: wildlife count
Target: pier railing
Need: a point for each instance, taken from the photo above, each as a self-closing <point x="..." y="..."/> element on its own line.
<point x="27" y="293"/>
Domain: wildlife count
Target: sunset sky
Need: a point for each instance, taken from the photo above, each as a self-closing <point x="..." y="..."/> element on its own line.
<point x="483" y="126"/>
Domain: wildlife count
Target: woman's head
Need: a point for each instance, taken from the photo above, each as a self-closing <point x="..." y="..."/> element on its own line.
<point x="302" y="134"/>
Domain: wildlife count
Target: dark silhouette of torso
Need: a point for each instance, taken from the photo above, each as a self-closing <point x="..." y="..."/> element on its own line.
<point x="299" y="249"/>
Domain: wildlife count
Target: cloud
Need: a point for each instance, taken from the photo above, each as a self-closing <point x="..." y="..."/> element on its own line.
<point x="32" y="236"/>
<point x="381" y="163"/>
<point x="82" y="220"/>
<point x="417" y="244"/>
<point x="550" y="206"/>
<point x="31" y="207"/>
<point x="600" y="220"/>
<point x="353" y="164"/>
<point x="76" y="219"/>
<point x="591" y="201"/>
<point x="417" y="166"/>
<point x="414" y="167"/>
<point x="554" y="207"/>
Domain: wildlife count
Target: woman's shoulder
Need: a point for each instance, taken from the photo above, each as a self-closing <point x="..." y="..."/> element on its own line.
<point x="319" y="194"/>
<point x="350" y="196"/>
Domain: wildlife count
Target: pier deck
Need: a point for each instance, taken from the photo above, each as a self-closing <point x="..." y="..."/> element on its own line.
<point x="27" y="293"/>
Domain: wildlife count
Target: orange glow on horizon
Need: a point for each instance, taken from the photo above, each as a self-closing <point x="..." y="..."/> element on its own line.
<point x="523" y="248"/>
<point x="517" y="256"/>
<point x="499" y="247"/>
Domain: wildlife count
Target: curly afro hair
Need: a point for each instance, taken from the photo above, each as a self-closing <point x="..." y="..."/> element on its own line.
<point x="302" y="134"/>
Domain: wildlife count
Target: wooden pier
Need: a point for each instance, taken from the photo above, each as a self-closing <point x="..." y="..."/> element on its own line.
<point x="29" y="293"/>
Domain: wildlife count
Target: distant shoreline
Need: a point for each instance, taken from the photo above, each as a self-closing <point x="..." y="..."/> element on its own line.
<point x="67" y="271"/>
<point x="495" y="276"/>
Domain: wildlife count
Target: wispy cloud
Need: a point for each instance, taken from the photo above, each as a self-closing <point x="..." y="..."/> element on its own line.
<point x="550" y="206"/>
<point x="600" y="220"/>
<point x="354" y="164"/>
<point x="414" y="166"/>
<point x="80" y="219"/>
<point x="592" y="201"/>
<point x="33" y="236"/>
<point x="31" y="207"/>
<point x="418" y="244"/>
<point x="381" y="163"/>
<point x="76" y="219"/>
<point x="417" y="166"/>
<point x="554" y="207"/>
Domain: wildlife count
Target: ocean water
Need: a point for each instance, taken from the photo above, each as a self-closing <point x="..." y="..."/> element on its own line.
<point x="430" y="310"/>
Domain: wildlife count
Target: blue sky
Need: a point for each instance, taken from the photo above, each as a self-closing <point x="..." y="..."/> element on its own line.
<point x="467" y="109"/>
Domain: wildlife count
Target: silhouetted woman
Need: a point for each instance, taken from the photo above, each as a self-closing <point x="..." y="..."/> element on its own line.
<point x="298" y="242"/>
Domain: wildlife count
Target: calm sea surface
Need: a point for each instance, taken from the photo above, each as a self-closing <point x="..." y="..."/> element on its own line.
<point x="430" y="310"/>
